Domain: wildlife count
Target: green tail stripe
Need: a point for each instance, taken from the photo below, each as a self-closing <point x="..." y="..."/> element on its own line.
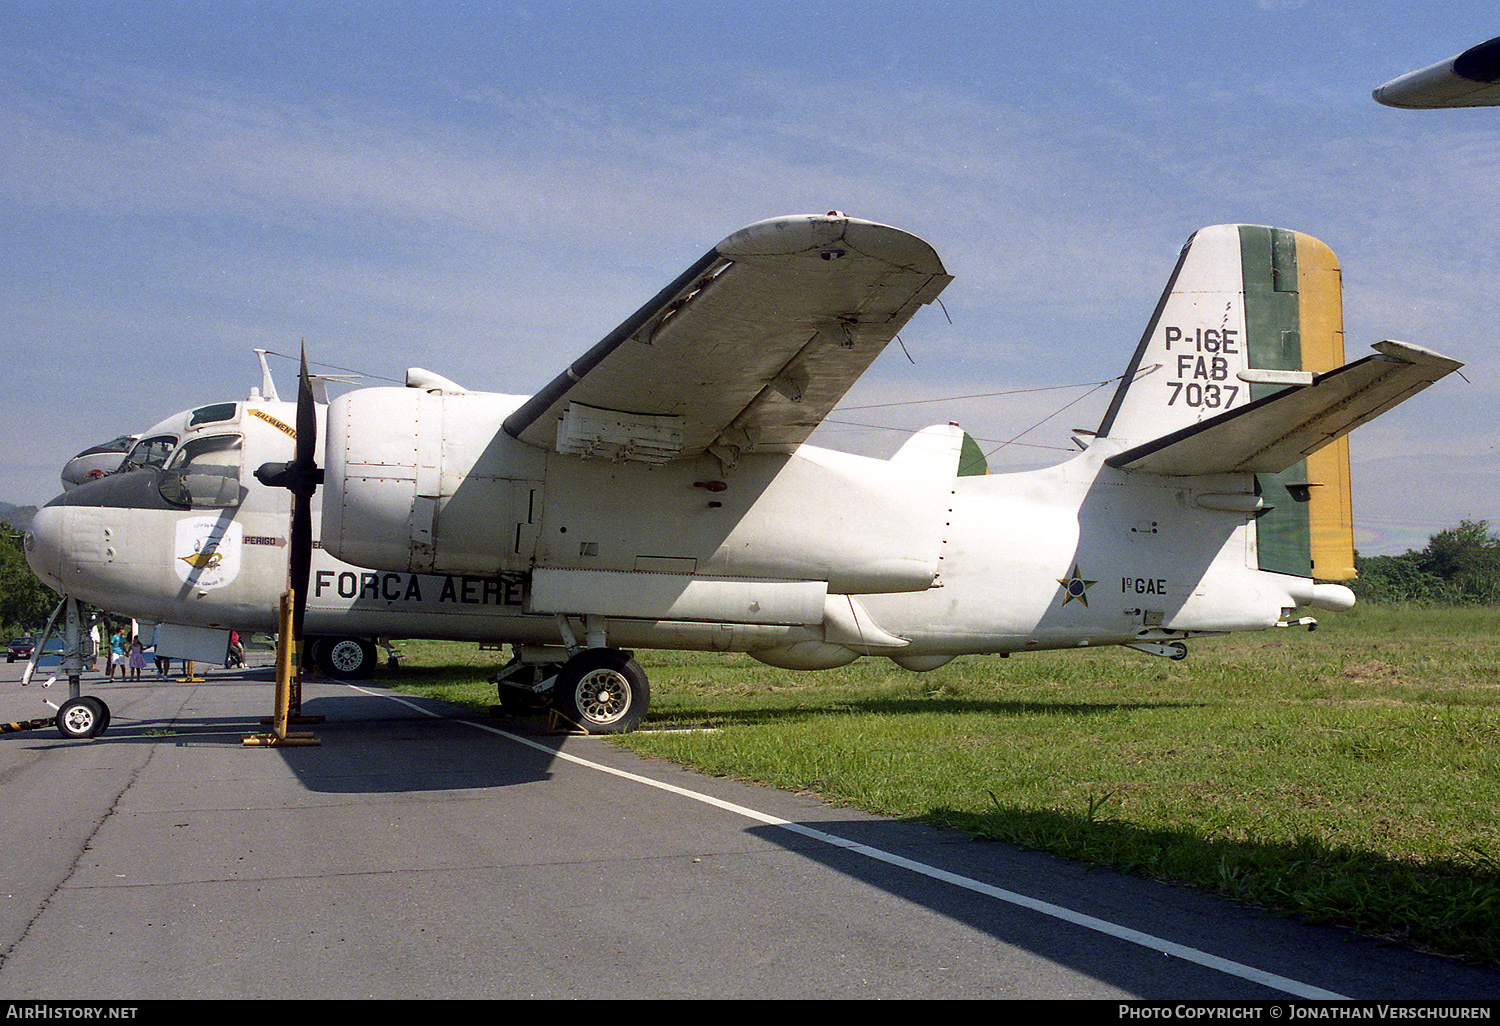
<point x="1272" y="312"/>
<point x="1273" y="325"/>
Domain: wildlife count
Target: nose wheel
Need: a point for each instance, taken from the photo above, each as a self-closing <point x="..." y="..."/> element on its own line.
<point x="83" y="717"/>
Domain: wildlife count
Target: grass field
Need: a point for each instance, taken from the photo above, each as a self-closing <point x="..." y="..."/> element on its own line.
<point x="1349" y="775"/>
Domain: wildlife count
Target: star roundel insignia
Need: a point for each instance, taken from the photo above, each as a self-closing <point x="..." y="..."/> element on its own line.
<point x="1075" y="587"/>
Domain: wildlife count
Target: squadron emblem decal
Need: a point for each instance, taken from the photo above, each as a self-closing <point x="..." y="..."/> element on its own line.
<point x="1075" y="587"/>
<point x="208" y="551"/>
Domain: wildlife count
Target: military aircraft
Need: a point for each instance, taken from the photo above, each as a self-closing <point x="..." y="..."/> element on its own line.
<point x="661" y="493"/>
<point x="1472" y="79"/>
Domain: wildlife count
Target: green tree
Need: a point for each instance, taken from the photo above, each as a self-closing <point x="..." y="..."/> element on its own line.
<point x="1399" y="579"/>
<point x="1468" y="558"/>
<point x="1459" y="565"/>
<point x="25" y="601"/>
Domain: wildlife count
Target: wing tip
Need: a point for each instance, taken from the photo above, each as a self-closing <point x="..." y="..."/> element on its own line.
<point x="829" y="236"/>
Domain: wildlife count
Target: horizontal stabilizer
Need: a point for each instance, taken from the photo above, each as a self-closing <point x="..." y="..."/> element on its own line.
<point x="1273" y="433"/>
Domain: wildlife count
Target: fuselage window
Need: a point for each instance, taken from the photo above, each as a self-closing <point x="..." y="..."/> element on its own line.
<point x="149" y="452"/>
<point x="212" y="414"/>
<point x="204" y="473"/>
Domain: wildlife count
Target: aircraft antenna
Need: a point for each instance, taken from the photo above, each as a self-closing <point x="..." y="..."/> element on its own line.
<point x="1054" y="413"/>
<point x="267" y="383"/>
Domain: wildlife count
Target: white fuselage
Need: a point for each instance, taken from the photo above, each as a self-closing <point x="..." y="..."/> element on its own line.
<point x="805" y="560"/>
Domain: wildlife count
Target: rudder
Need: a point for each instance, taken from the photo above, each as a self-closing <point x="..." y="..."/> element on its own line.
<point x="1297" y="323"/>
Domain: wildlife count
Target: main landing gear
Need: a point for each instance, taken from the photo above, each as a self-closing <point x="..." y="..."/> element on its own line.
<point x="343" y="658"/>
<point x="598" y="690"/>
<point x="602" y="690"/>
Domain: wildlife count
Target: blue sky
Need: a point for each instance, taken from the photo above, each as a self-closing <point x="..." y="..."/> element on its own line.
<point x="486" y="189"/>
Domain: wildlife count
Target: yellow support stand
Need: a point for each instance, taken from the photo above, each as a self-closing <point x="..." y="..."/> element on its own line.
<point x="288" y="690"/>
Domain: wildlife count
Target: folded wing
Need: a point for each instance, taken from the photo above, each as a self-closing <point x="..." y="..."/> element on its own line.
<point x="747" y="351"/>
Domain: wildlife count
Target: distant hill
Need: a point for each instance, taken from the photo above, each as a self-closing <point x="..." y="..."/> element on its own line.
<point x="16" y="516"/>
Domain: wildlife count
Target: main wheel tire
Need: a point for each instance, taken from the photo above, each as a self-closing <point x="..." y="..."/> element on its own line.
<point x="603" y="691"/>
<point x="103" y="712"/>
<point x="82" y="718"/>
<point x="345" y="658"/>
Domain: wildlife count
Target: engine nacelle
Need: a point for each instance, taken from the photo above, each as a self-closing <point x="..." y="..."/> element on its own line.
<point x="422" y="481"/>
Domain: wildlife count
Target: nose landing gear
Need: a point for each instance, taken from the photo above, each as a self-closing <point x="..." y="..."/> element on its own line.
<point x="77" y="719"/>
<point x="83" y="717"/>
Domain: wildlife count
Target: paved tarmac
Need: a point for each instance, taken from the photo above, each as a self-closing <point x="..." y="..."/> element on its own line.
<point x="420" y="852"/>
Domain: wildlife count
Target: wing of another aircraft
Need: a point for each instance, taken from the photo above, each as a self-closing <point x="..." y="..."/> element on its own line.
<point x="1472" y="79"/>
<point x="747" y="351"/>
<point x="1271" y="434"/>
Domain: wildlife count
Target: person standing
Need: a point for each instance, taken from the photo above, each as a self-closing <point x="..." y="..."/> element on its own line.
<point x="137" y="658"/>
<point x="117" y="643"/>
<point x="163" y="663"/>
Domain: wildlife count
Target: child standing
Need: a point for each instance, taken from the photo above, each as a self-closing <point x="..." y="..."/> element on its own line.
<point x="137" y="658"/>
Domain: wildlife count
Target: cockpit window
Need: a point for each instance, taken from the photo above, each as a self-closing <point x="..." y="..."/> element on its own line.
<point x="204" y="473"/>
<point x="149" y="452"/>
<point x="121" y="445"/>
<point x="211" y="414"/>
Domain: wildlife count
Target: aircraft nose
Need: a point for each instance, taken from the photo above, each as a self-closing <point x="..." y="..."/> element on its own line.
<point x="44" y="544"/>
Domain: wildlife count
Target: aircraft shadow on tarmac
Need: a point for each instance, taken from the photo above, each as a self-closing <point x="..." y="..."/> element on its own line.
<point x="368" y="744"/>
<point x="373" y="745"/>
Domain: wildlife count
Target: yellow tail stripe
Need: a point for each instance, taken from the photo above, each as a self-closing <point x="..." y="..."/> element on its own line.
<point x="1330" y="510"/>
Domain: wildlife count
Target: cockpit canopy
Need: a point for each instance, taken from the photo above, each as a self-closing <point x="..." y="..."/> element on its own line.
<point x="96" y="461"/>
<point x="144" y="451"/>
<point x="149" y="452"/>
<point x="204" y="473"/>
<point x="120" y="445"/>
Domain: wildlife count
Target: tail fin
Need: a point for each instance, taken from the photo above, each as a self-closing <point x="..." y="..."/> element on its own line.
<point x="1248" y="312"/>
<point x="1230" y="328"/>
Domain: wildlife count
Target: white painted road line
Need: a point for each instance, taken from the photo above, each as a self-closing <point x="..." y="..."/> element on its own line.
<point x="1145" y="940"/>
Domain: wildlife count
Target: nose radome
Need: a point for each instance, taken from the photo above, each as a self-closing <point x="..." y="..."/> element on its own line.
<point x="44" y="544"/>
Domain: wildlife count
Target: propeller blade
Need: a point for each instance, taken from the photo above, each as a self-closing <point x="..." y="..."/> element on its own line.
<point x="307" y="418"/>
<point x="301" y="477"/>
<point x="306" y="477"/>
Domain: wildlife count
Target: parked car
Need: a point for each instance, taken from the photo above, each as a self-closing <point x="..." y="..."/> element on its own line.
<point x="52" y="655"/>
<point x="20" y="648"/>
